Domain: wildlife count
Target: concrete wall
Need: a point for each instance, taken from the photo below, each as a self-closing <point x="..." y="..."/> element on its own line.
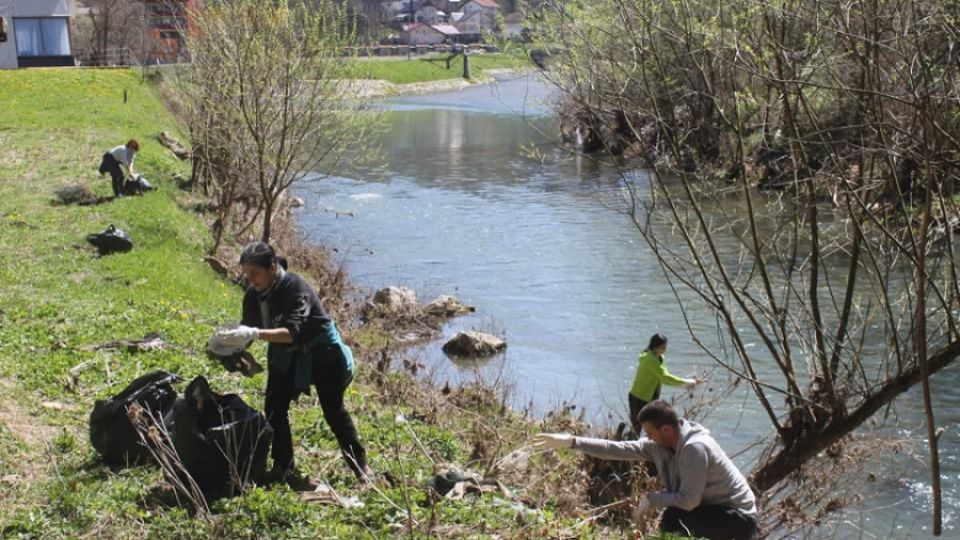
<point x="27" y="8"/>
<point x="8" y="49"/>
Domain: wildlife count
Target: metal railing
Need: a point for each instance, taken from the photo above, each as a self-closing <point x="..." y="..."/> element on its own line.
<point x="400" y="50"/>
<point x="119" y="57"/>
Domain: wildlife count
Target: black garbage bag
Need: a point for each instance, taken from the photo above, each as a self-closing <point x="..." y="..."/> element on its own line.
<point x="111" y="432"/>
<point x="111" y="240"/>
<point x="221" y="440"/>
<point x="138" y="185"/>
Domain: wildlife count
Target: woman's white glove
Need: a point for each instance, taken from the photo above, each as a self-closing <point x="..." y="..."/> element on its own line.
<point x="241" y="336"/>
<point x="554" y="441"/>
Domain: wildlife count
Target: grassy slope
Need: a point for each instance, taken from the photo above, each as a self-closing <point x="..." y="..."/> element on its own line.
<point x="57" y="297"/>
<point x="402" y="71"/>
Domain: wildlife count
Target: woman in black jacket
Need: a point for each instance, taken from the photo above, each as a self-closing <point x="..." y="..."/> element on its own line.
<point x="304" y="349"/>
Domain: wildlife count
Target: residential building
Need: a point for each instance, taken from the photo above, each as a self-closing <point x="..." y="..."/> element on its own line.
<point x="392" y="8"/>
<point x="35" y="33"/>
<point x="168" y="22"/>
<point x="486" y="11"/>
<point x="425" y="34"/>
<point x="470" y="27"/>
<point x="427" y="13"/>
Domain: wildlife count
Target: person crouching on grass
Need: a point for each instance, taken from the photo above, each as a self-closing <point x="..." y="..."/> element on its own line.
<point x="304" y="348"/>
<point x="706" y="496"/>
<point x="118" y="160"/>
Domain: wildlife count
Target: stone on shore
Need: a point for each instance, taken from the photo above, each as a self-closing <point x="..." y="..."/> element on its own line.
<point x="394" y="300"/>
<point x="473" y="345"/>
<point x="447" y="306"/>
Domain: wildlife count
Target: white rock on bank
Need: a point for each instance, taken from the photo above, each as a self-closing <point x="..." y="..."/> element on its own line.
<point x="394" y="299"/>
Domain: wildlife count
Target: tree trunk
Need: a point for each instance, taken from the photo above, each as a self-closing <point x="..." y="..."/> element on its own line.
<point x="920" y="341"/>
<point x="808" y="444"/>
<point x="267" y="221"/>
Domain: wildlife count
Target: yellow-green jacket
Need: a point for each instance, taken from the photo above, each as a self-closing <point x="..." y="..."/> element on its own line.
<point x="651" y="373"/>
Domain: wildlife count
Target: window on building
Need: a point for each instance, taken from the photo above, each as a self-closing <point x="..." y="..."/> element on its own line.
<point x="45" y="36"/>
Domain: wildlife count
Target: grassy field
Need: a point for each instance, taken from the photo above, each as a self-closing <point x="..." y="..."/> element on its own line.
<point x="58" y="300"/>
<point x="402" y="71"/>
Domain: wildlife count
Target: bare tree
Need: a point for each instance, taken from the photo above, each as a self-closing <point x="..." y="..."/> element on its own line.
<point x="267" y="100"/>
<point x="114" y="24"/>
<point x="803" y="171"/>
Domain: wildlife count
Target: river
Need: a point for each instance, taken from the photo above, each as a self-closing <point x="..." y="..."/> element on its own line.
<point x="473" y="198"/>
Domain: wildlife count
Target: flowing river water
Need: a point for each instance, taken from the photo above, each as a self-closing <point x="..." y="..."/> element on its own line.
<point x="473" y="198"/>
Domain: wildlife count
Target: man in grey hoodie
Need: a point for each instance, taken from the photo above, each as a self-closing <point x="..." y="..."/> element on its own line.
<point x="706" y="495"/>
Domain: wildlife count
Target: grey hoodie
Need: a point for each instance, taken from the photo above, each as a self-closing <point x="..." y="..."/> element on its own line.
<point x="699" y="473"/>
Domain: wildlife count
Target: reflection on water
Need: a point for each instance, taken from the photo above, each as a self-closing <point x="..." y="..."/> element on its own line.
<point x="476" y="201"/>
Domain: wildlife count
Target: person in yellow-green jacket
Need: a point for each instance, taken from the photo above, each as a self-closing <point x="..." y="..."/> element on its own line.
<point x="651" y="375"/>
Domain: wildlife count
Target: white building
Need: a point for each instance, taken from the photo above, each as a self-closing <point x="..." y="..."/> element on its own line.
<point x="425" y="34"/>
<point x="35" y="33"/>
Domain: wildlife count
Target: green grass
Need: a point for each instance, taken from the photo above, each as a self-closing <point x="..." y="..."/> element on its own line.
<point x="403" y="71"/>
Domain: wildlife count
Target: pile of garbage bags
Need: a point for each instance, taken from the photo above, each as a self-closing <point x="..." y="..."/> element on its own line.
<point x="111" y="432"/>
<point x="220" y="441"/>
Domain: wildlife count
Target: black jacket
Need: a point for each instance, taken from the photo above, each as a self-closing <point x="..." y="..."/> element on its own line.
<point x="293" y="305"/>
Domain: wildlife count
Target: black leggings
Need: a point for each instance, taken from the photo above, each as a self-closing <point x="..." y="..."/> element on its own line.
<point x="331" y="379"/>
<point x="711" y="522"/>
<point x="635" y="405"/>
<point x="109" y="164"/>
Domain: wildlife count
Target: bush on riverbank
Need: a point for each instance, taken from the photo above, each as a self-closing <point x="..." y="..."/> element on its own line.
<point x="836" y="96"/>
<point x="60" y="304"/>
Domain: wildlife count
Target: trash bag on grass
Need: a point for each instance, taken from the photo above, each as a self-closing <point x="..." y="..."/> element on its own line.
<point x="138" y="185"/>
<point x="221" y="440"/>
<point x="111" y="240"/>
<point x="111" y="432"/>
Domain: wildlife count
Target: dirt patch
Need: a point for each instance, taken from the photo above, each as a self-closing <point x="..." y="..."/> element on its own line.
<point x="28" y="428"/>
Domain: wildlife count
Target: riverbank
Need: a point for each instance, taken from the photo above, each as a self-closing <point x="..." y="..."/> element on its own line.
<point x="62" y="305"/>
<point x="433" y="68"/>
<point x="375" y="88"/>
<point x="400" y="76"/>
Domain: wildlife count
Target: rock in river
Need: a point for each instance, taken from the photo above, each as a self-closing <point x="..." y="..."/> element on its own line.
<point x="473" y="345"/>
